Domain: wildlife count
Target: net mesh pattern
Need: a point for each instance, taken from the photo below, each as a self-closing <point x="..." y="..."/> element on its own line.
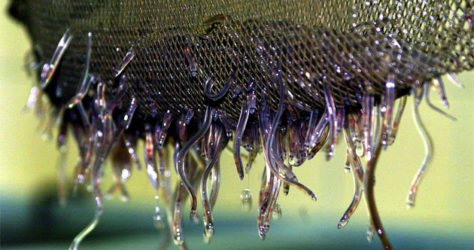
<point x="272" y="66"/>
<point x="351" y="45"/>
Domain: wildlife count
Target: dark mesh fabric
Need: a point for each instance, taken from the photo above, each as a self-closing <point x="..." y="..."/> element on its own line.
<point x="352" y="45"/>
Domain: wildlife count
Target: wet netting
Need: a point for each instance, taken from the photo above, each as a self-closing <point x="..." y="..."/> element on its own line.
<point x="284" y="79"/>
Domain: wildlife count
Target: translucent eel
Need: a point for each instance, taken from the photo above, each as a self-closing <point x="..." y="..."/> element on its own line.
<point x="167" y="197"/>
<point x="286" y="186"/>
<point x="273" y="204"/>
<point x="81" y="139"/>
<point x="49" y="69"/>
<point x="319" y="136"/>
<point x="161" y="130"/>
<point x="78" y="239"/>
<point x="267" y="177"/>
<point x="282" y="149"/>
<point x="215" y="177"/>
<point x="353" y="127"/>
<point x="161" y="161"/>
<point x="340" y="117"/>
<point x="83" y="114"/>
<point x="331" y="111"/>
<point x="297" y="154"/>
<point x="426" y="91"/>
<point x="428" y="156"/>
<point x="180" y="164"/>
<point x="183" y="123"/>
<point x="439" y="86"/>
<point x="369" y="181"/>
<point x="313" y="119"/>
<point x="130" y="143"/>
<point x="252" y="101"/>
<point x="455" y="80"/>
<point x="86" y="79"/>
<point x="180" y="195"/>
<point x="125" y="61"/>
<point x="114" y="134"/>
<point x="89" y="152"/>
<point x="102" y="136"/>
<point x="367" y="118"/>
<point x="127" y="117"/>
<point x="176" y="228"/>
<point x="126" y="120"/>
<point x="358" y="179"/>
<point x="264" y="199"/>
<point x="357" y="132"/>
<point x="279" y="169"/>
<point x="160" y="137"/>
<point x="247" y="142"/>
<point x="215" y="132"/>
<point x="225" y="121"/>
<point x="275" y="190"/>
<point x="398" y="117"/>
<point x="216" y="97"/>
<point x="387" y="109"/>
<point x="255" y="148"/>
<point x="267" y="216"/>
<point x="376" y="138"/>
<point x="165" y="179"/>
<point x="215" y="153"/>
<point x="264" y="194"/>
<point x="241" y="124"/>
<point x="376" y="114"/>
<point x="120" y="93"/>
<point x="150" y="161"/>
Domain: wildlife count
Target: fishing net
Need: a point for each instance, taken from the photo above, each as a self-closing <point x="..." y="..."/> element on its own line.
<point x="283" y="78"/>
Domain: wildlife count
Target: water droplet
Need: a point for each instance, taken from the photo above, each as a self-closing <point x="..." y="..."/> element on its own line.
<point x="360" y="149"/>
<point x="246" y="199"/>
<point x="158" y="221"/>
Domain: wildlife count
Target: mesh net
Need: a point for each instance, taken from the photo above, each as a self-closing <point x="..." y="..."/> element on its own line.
<point x="284" y="78"/>
<point x="348" y="44"/>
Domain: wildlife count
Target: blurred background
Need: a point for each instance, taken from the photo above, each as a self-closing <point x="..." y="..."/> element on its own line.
<point x="31" y="217"/>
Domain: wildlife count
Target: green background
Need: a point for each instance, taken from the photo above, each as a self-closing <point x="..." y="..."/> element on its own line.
<point x="443" y="216"/>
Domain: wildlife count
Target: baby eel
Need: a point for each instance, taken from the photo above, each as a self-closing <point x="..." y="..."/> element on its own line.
<point x="358" y="176"/>
<point x="180" y="163"/>
<point x="428" y="155"/>
<point x="369" y="181"/>
<point x="208" y="221"/>
<point x="241" y="124"/>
